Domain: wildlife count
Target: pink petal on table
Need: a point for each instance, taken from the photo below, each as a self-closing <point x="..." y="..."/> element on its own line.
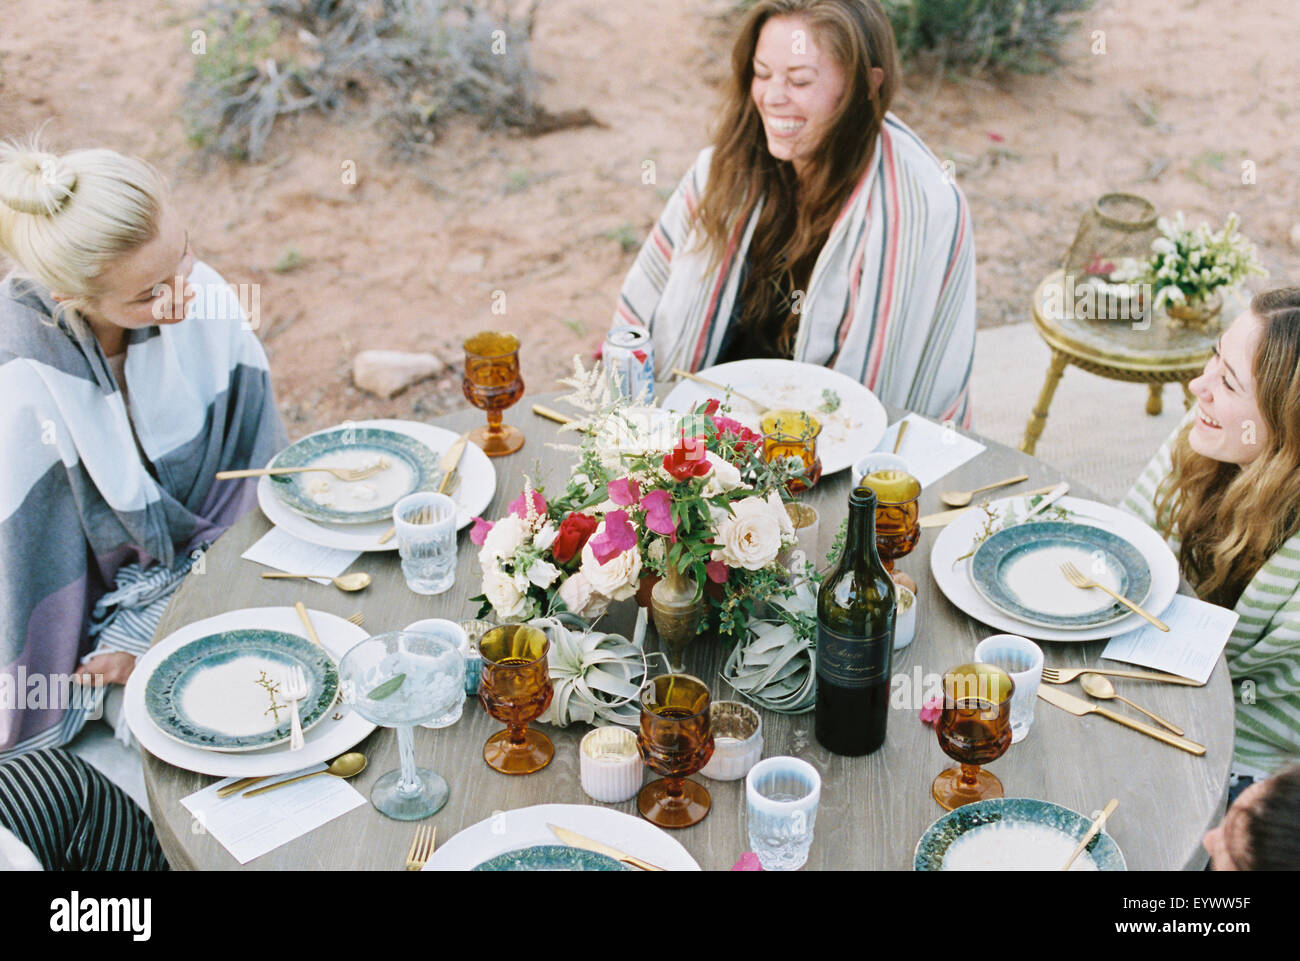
<point x="748" y="862"/>
<point x="624" y="491"/>
<point x="617" y="537"/>
<point x="931" y="711"/>
<point x="479" y="532"/>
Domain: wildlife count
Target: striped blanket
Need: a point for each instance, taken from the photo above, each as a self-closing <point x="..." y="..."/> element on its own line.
<point x="1263" y="651"/>
<point x="891" y="298"/>
<point x="78" y="502"/>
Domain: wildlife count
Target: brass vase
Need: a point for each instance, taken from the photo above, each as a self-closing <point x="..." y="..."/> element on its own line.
<point x="676" y="612"/>
<point x="1195" y="315"/>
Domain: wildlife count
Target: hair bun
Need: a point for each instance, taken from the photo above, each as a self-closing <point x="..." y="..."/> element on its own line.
<point x="34" y="182"/>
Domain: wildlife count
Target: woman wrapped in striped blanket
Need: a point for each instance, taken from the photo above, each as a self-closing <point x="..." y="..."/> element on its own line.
<point x="1224" y="490"/>
<point x="129" y="376"/>
<point x="818" y="227"/>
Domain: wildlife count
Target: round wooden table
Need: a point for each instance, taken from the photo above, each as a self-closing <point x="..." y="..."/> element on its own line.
<point x="873" y="809"/>
<point x="1143" y="350"/>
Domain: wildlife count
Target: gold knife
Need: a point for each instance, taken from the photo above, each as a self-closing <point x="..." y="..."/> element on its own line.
<point x="236" y="786"/>
<point x="550" y="414"/>
<point x="1078" y="706"/>
<point x="451" y="460"/>
<point x="575" y="840"/>
<point x="947" y="517"/>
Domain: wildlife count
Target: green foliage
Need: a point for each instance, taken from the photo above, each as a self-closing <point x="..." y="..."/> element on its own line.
<point x="625" y="235"/>
<point x="290" y="260"/>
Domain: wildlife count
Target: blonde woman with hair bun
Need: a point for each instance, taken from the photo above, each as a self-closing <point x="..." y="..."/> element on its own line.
<point x="128" y="377"/>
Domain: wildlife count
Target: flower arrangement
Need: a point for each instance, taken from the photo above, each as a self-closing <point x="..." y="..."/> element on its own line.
<point x="1187" y="265"/>
<point x="648" y="490"/>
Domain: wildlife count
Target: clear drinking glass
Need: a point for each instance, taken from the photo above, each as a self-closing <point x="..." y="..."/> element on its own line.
<point x="782" y="794"/>
<point x="1023" y="660"/>
<point x="399" y="680"/>
<point x="448" y="631"/>
<point x="426" y="540"/>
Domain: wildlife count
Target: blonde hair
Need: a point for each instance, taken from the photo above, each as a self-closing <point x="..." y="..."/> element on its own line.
<point x="64" y="218"/>
<point x="1230" y="519"/>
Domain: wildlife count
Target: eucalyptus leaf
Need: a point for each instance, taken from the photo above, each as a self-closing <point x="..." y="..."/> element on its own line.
<point x="388" y="688"/>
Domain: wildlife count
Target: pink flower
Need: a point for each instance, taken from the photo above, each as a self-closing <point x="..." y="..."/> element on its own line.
<point x="658" y="513"/>
<point x="745" y="436"/>
<point x="718" y="572"/>
<point x="617" y="537"/>
<point x="996" y="137"/>
<point x="931" y="711"/>
<point x="748" y="862"/>
<point x="520" y="510"/>
<point x="624" y="491"/>
<point x="479" y="532"/>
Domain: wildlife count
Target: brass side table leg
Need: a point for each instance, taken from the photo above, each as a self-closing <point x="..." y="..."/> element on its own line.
<point x="1155" y="404"/>
<point x="1188" y="397"/>
<point x="1034" y="429"/>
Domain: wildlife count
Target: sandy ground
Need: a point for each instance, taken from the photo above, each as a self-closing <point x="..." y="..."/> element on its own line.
<point x="1190" y="104"/>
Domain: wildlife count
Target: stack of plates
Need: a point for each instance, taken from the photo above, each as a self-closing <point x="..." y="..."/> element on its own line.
<point x="201" y="698"/>
<point x="1013" y="580"/>
<point x="319" y="508"/>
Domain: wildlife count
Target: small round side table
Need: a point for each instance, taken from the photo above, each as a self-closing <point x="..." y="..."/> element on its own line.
<point x="1143" y="351"/>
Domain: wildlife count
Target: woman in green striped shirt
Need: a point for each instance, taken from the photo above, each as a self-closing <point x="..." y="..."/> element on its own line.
<point x="1224" y="490"/>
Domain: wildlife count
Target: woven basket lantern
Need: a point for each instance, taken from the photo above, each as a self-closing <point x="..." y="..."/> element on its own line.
<point x="1115" y="227"/>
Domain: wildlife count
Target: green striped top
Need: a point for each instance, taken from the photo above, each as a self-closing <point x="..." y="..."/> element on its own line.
<point x="1263" y="652"/>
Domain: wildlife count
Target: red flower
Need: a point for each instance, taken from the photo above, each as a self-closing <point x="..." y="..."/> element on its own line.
<point x="746" y="437"/>
<point x="687" y="460"/>
<point x="712" y="406"/>
<point x="718" y="572"/>
<point x="574" y="531"/>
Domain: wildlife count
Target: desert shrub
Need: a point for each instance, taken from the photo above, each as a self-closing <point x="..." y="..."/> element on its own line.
<point x="1022" y="35"/>
<point x="415" y="62"/>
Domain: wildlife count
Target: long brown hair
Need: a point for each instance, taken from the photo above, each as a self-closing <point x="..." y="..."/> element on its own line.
<point x="797" y="213"/>
<point x="1230" y="518"/>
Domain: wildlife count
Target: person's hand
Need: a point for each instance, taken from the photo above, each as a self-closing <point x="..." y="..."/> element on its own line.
<point x="115" y="668"/>
<point x="901" y="578"/>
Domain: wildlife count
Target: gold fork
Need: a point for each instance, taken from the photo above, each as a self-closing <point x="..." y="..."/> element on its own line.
<point x="342" y="473"/>
<point x="421" y="847"/>
<point x="358" y="619"/>
<point x="1081" y="581"/>
<point x="1064" y="675"/>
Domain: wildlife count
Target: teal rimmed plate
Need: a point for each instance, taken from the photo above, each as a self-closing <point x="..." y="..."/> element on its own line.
<point x="323" y="497"/>
<point x="1018" y="571"/>
<point x="1013" y="834"/>
<point x="213" y="692"/>
<point x="551" y="857"/>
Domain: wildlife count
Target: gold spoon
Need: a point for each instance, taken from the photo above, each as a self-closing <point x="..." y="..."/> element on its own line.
<point x="344" y="766"/>
<point x="357" y="581"/>
<point x="962" y="498"/>
<point x="1098" y="686"/>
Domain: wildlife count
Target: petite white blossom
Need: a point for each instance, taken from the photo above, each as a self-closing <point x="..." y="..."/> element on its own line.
<point x="542" y="573"/>
<point x="506" y="599"/>
<point x="724" y="476"/>
<point x="545" y="537"/>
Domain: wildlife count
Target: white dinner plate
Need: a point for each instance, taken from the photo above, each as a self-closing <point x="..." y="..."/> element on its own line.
<point x="955" y="582"/>
<point x="325" y="741"/>
<point x="854" y="429"/>
<point x="478" y="482"/>
<point x="525" y="827"/>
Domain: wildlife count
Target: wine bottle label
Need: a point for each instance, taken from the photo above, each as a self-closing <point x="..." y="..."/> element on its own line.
<point x="853" y="662"/>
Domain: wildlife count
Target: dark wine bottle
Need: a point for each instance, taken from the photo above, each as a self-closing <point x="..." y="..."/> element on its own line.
<point x="855" y="639"/>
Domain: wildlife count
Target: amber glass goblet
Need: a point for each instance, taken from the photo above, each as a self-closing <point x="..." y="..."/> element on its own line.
<point x="898" y="513"/>
<point x="675" y="741"/>
<point x="974" y="728"/>
<point x="793" y="433"/>
<point x="515" y="688"/>
<point x="492" y="383"/>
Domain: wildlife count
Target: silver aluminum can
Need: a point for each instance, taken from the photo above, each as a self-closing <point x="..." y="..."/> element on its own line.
<point x="629" y="359"/>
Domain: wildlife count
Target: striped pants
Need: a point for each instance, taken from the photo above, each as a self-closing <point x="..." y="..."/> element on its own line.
<point x="73" y="818"/>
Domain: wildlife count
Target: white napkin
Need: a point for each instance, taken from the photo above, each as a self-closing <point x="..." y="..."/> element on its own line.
<point x="250" y="827"/>
<point x="931" y="450"/>
<point x="279" y="549"/>
<point x="1198" y="632"/>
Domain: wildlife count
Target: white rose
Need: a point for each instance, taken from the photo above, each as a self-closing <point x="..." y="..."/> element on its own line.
<point x="724" y="477"/>
<point x="782" y="516"/>
<point x="617" y="578"/>
<point x="503" y="540"/>
<point x="543" y="573"/>
<point x="579" y="598"/>
<point x="506" y="599"/>
<point x="751" y="537"/>
<point x="545" y="537"/>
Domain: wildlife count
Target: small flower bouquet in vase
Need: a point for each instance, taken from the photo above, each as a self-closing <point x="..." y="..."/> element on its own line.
<point x="1189" y="269"/>
<point x="680" y="509"/>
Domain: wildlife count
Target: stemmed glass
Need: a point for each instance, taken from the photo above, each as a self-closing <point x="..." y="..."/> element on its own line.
<point x="793" y="434"/>
<point x="675" y="740"/>
<point x="898" y="515"/>
<point x="516" y="688"/>
<point x="974" y="728"/>
<point x="492" y="383"/>
<point x="399" y="680"/>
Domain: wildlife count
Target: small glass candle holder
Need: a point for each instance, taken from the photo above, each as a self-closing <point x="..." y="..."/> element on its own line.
<point x="793" y="434"/>
<point x="474" y="629"/>
<point x="807" y="527"/>
<point x="609" y="765"/>
<point x="737" y="740"/>
<point x="904" y="618"/>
